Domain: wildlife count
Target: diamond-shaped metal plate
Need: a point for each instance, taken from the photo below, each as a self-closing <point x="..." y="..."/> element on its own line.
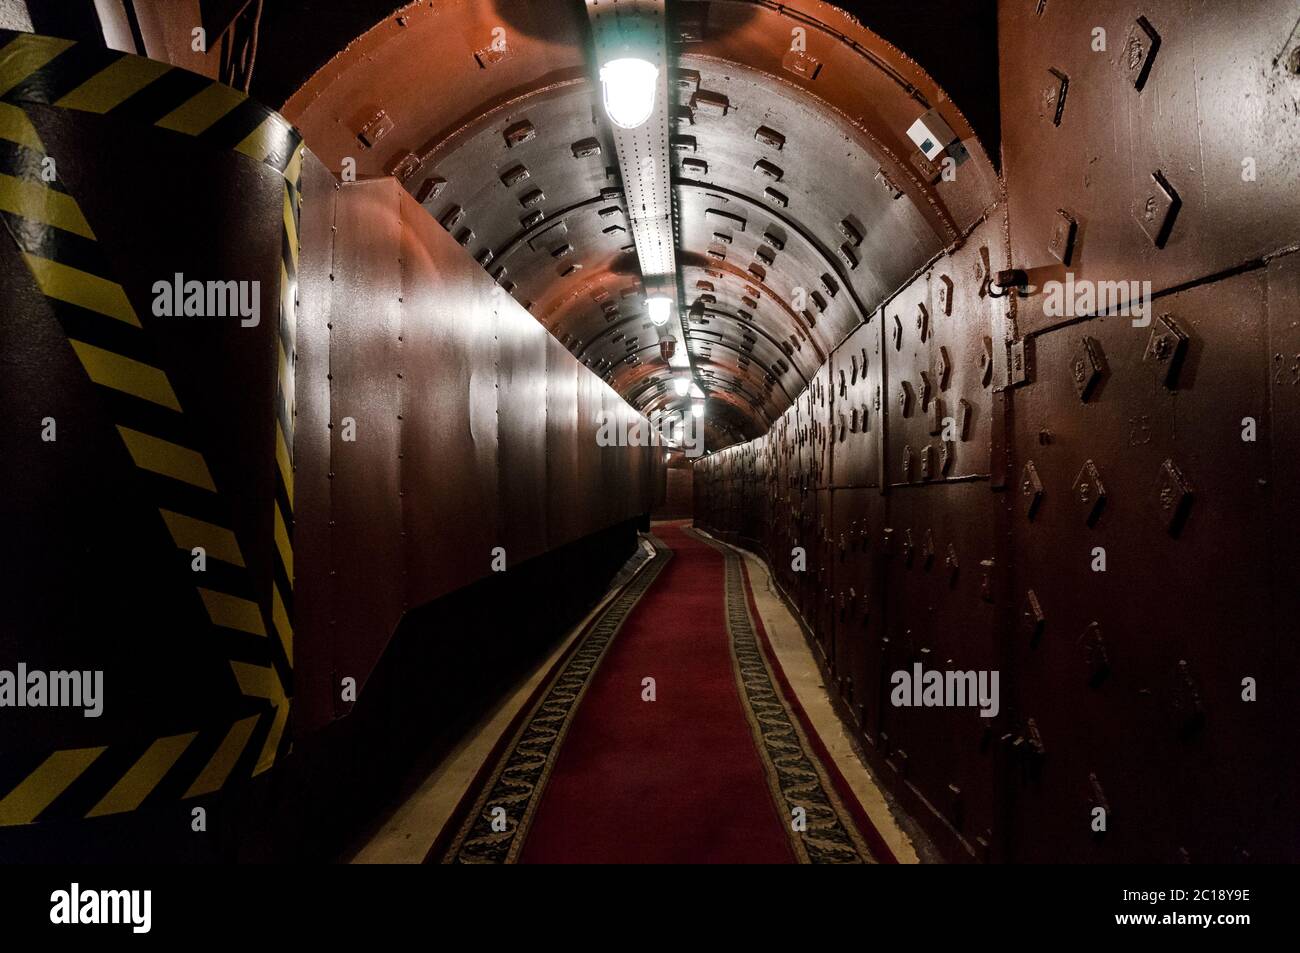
<point x="1090" y="492"/>
<point x="1139" y="52"/>
<point x="1087" y="367"/>
<point x="1172" y="497"/>
<point x="1032" y="620"/>
<point x="1155" y="208"/>
<point x="1166" y="349"/>
<point x="1031" y="488"/>
<point x="1061" y="243"/>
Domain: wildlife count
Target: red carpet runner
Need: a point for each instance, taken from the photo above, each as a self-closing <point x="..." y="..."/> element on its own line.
<point x="719" y="768"/>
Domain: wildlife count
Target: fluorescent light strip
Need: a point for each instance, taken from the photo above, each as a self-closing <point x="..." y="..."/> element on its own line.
<point x="624" y="29"/>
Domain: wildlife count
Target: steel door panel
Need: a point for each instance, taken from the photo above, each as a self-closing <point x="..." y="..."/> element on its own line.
<point x="819" y="461"/>
<point x="822" y="597"/>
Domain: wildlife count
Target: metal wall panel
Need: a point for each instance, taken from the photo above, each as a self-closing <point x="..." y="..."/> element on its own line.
<point x="1169" y="446"/>
<point x="521" y="422"/>
<point x="1209" y="119"/>
<point x="1284" y="475"/>
<point x="563" y="509"/>
<point x="365" y="432"/>
<point x="857" y="401"/>
<point x="448" y="368"/>
<point x="313" y="554"/>
<point x="474" y="429"/>
<point x="936" y="614"/>
<point x="1181" y="611"/>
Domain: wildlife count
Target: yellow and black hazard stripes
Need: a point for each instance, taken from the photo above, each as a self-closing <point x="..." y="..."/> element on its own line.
<point x="113" y="85"/>
<point x="144" y="775"/>
<point x="104" y="332"/>
<point x="218" y="767"/>
<point x="69" y="75"/>
<point x="36" y="791"/>
<point x="96" y="781"/>
<point x="284" y="408"/>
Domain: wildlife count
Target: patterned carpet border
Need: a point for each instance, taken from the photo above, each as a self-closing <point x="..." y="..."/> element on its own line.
<point x="524" y="766"/>
<point x="795" y="770"/>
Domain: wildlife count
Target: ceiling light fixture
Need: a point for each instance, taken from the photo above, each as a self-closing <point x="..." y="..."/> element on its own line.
<point x="660" y="308"/>
<point x="629" y="88"/>
<point x="682" y="385"/>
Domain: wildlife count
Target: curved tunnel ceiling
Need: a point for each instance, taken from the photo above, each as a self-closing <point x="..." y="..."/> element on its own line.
<point x="800" y="203"/>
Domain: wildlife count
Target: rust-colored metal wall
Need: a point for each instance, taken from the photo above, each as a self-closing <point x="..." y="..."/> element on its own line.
<point x="1168" y="447"/>
<point x="445" y="422"/>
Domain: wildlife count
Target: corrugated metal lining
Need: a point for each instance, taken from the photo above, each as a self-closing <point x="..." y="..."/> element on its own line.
<point x="789" y="148"/>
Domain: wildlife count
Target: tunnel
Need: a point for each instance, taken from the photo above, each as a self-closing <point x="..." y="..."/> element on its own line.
<point x="650" y="431"/>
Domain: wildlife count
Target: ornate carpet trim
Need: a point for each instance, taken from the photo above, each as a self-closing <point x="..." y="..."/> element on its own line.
<point x="795" y="775"/>
<point x="521" y="773"/>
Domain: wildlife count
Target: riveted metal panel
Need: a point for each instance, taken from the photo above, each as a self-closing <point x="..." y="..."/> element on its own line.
<point x="587" y="470"/>
<point x="462" y="404"/>
<point x="449" y="370"/>
<point x="1189" y="175"/>
<point x="563" y="516"/>
<point x="857" y="375"/>
<point x="366" y="435"/>
<point x="860" y="680"/>
<point x="610" y="500"/>
<point x="936" y="614"/>
<point x="521" y="427"/>
<point x="1136" y="671"/>
<point x="1166" y="445"/>
<point x="312" y="535"/>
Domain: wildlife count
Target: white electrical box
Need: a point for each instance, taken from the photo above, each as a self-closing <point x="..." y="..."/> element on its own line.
<point x="931" y="134"/>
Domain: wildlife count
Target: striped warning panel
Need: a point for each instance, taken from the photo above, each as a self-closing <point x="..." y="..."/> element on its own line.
<point x="56" y="72"/>
<point x="282" y="589"/>
<point x="131" y="773"/>
<point x="104" y="332"/>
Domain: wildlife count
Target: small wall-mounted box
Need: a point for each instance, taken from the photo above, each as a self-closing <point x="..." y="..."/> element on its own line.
<point x="931" y="134"/>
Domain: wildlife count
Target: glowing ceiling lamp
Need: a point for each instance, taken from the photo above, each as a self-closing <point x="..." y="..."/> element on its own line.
<point x="682" y="385"/>
<point x="660" y="308"/>
<point x="629" y="88"/>
<point x="697" y="408"/>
